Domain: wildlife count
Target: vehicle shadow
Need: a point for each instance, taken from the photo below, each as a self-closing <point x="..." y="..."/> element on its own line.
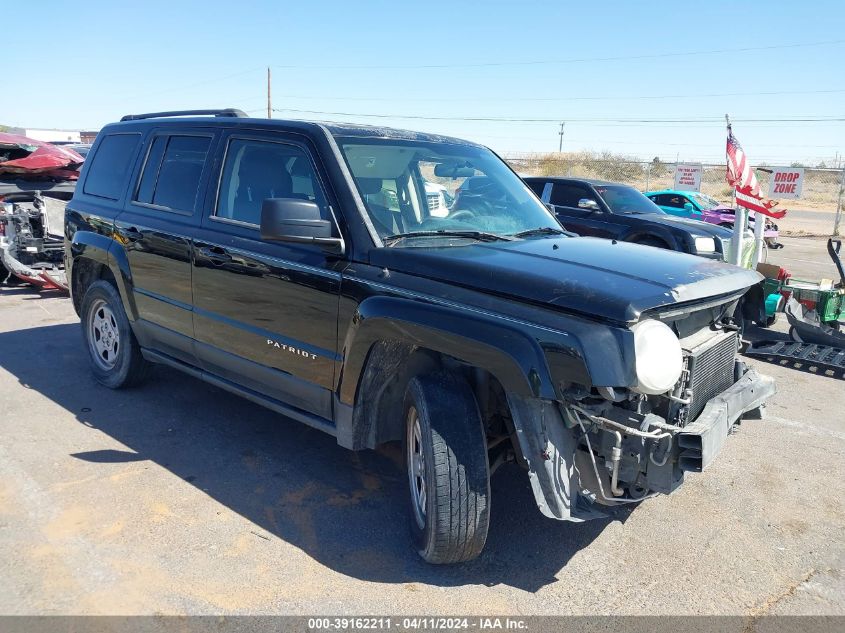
<point x="345" y="509"/>
<point x="29" y="292"/>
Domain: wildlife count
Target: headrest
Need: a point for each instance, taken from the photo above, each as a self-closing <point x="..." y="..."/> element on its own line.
<point x="301" y="167"/>
<point x="369" y="185"/>
<point x="262" y="159"/>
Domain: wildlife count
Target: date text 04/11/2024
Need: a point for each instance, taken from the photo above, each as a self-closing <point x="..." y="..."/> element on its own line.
<point x="416" y="624"/>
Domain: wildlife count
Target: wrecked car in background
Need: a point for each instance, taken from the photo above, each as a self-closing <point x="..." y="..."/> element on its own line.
<point x="30" y="158"/>
<point x="31" y="242"/>
<point x="36" y="180"/>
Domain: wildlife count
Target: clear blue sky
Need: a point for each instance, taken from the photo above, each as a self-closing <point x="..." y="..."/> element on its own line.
<point x="83" y="64"/>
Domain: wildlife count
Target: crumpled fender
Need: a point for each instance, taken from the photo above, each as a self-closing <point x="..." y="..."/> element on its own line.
<point x="509" y="350"/>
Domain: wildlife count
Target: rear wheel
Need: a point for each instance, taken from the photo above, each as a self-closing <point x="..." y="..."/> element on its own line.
<point x="448" y="472"/>
<point x="116" y="359"/>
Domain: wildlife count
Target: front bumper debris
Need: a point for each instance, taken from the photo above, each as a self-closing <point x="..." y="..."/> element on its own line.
<point x="700" y="442"/>
<point x="568" y="478"/>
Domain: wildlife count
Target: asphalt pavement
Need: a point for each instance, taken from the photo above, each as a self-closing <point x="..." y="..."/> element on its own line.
<point x="806" y="258"/>
<point x="179" y="498"/>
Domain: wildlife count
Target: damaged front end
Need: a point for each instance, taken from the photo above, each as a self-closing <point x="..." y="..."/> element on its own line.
<point x="32" y="221"/>
<point x="31" y="239"/>
<point x="607" y="446"/>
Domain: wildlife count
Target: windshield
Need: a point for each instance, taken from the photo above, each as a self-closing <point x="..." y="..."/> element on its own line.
<point x="624" y="199"/>
<point x="415" y="187"/>
<point x="705" y="202"/>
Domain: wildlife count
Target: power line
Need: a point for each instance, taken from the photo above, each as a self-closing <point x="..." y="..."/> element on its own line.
<point x="796" y="119"/>
<point x="190" y="85"/>
<point x="564" y="99"/>
<point x="547" y="62"/>
<point x="598" y="141"/>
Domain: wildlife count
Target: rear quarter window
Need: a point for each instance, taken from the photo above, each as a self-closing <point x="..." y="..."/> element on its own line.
<point x="110" y="166"/>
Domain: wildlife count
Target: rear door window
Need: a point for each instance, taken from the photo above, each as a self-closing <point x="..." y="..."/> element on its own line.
<point x="110" y="167"/>
<point x="172" y="172"/>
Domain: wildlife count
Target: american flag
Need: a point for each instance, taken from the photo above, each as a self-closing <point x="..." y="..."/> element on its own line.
<point x="741" y="177"/>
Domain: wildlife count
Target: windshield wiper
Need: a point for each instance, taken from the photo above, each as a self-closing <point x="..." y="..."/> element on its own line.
<point x="541" y="230"/>
<point x="481" y="236"/>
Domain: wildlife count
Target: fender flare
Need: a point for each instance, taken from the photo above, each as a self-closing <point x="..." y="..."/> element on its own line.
<point x="507" y="349"/>
<point x="106" y="251"/>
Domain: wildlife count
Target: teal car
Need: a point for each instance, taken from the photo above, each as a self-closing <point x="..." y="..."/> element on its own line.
<point x="686" y="204"/>
<point x="700" y="206"/>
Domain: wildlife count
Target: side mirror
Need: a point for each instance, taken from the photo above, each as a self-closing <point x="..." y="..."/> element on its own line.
<point x="589" y="204"/>
<point x="294" y="220"/>
<point x="688" y="206"/>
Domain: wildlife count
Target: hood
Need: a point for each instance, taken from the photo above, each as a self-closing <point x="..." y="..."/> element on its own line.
<point x="688" y="224"/>
<point x="614" y="281"/>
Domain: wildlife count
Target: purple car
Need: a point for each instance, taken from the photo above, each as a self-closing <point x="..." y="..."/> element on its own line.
<point x="700" y="206"/>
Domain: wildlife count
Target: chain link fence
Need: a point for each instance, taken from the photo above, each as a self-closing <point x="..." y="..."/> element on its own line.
<point x="816" y="212"/>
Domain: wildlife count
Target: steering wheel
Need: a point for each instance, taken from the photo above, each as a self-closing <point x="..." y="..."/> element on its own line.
<point x="472" y="204"/>
<point x="461" y="215"/>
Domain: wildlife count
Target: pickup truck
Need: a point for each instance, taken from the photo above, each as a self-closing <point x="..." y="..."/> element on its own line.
<point x="298" y="265"/>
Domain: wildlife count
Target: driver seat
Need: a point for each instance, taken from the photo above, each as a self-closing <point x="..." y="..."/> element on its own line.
<point x="387" y="222"/>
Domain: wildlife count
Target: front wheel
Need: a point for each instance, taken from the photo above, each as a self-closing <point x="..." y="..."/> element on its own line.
<point x="448" y="471"/>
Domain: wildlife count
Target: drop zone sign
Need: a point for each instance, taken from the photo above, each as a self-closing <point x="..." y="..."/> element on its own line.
<point x="786" y="182"/>
<point x="688" y="177"/>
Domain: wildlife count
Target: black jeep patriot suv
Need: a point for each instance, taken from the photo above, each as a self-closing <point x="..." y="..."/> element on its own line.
<point x="298" y="265"/>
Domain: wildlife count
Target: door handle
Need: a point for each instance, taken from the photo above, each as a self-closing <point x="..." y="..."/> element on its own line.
<point x="215" y="254"/>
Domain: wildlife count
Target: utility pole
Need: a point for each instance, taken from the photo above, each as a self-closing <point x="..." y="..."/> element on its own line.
<point x="269" y="103"/>
<point x="560" y="144"/>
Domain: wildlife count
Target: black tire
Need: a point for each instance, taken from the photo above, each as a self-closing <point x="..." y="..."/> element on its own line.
<point x="4" y="273"/>
<point x="118" y="365"/>
<point x="455" y="469"/>
<point x="651" y="241"/>
<point x="770" y="321"/>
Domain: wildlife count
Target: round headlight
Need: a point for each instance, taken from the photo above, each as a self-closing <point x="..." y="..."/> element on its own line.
<point x="659" y="360"/>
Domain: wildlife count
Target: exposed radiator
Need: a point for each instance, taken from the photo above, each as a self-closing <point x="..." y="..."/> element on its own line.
<point x="711" y="369"/>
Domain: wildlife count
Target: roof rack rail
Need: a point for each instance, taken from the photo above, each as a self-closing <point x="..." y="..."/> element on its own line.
<point x="226" y="112"/>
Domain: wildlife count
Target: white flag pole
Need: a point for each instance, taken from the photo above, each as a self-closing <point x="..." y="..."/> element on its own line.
<point x="759" y="228"/>
<point x="739" y="231"/>
<point x="740" y="217"/>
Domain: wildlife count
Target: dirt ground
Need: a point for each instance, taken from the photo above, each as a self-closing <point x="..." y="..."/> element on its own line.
<point x="179" y="498"/>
